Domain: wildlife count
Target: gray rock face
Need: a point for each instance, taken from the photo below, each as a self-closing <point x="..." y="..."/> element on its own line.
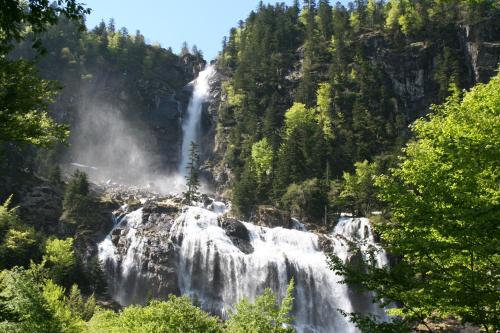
<point x="238" y="234"/>
<point x="481" y="46"/>
<point x="42" y="207"/>
<point x="270" y="216"/>
<point x="325" y="244"/>
<point x="215" y="139"/>
<point x="145" y="254"/>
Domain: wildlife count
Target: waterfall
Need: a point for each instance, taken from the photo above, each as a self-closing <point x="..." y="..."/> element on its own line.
<point x="192" y="121"/>
<point x="212" y="269"/>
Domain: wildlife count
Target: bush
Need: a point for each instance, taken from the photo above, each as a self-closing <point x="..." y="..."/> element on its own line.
<point x="29" y="306"/>
<point x="178" y="314"/>
<point x="265" y="315"/>
<point x="359" y="191"/>
<point x="306" y="200"/>
<point x="18" y="242"/>
<point x="59" y="259"/>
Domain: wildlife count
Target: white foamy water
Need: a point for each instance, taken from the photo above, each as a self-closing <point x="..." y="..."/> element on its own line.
<point x="192" y="121"/>
<point x="211" y="269"/>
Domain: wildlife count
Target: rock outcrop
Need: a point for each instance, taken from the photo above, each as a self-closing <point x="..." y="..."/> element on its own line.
<point x="238" y="233"/>
<point x="270" y="216"/>
<point x="144" y="249"/>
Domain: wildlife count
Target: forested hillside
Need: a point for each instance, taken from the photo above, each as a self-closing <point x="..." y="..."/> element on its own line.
<point x="308" y="94"/>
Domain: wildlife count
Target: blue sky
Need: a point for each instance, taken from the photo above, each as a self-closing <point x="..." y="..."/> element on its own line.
<point x="171" y="22"/>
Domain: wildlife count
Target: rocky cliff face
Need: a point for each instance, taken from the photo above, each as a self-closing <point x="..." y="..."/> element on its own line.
<point x="216" y="137"/>
<point x="481" y="45"/>
<point x="408" y="72"/>
<point x="106" y="104"/>
<point x="143" y="253"/>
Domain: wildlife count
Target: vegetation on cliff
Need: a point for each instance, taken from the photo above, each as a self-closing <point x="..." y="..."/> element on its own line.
<point x="326" y="87"/>
<point x="443" y="228"/>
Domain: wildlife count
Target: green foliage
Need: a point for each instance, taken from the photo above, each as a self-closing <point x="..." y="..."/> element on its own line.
<point x="447" y="73"/>
<point x="8" y="216"/>
<point x="265" y="315"/>
<point x="18" y="242"/>
<point x="298" y="116"/>
<point x="372" y="324"/>
<point x="335" y="203"/>
<point x="78" y="185"/>
<point x="79" y="307"/>
<point x="323" y="102"/>
<point x="77" y="203"/>
<point x="95" y="276"/>
<point x="24" y="309"/>
<point x="312" y="84"/>
<point x="359" y="192"/>
<point x="16" y="17"/>
<point x="59" y="259"/>
<point x="24" y="96"/>
<point x="178" y="314"/>
<point x="444" y="199"/>
<point x="394" y="11"/>
<point x="245" y="191"/>
<point x="57" y="303"/>
<point x="31" y="306"/>
<point x="262" y="157"/>
<point x="306" y="200"/>
<point x="302" y="154"/>
<point x="192" y="178"/>
<point x="24" y="103"/>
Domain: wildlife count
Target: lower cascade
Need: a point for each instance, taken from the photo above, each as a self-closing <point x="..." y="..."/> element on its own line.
<point x="163" y="247"/>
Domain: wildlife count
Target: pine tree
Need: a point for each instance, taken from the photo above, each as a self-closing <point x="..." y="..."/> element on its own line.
<point x="193" y="175"/>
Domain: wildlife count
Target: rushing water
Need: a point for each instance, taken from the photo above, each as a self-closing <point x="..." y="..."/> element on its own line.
<point x="192" y="120"/>
<point x="152" y="254"/>
<point x="215" y="272"/>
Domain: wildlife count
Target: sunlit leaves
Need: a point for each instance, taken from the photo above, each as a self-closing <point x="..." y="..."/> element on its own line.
<point x="444" y="227"/>
<point x="264" y="315"/>
<point x="177" y="314"/>
<point x="262" y="156"/>
<point x="24" y="103"/>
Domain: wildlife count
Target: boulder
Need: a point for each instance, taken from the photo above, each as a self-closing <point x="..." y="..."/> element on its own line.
<point x="325" y="244"/>
<point x="238" y="234"/>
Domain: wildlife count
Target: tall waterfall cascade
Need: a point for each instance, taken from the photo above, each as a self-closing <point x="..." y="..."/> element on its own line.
<point x="163" y="247"/>
<point x="191" y="125"/>
<point x="194" y="254"/>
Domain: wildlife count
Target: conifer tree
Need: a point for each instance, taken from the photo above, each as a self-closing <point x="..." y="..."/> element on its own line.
<point x="193" y="174"/>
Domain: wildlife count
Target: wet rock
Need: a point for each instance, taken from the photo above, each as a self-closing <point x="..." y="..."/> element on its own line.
<point x="481" y="46"/>
<point x="109" y="304"/>
<point x="238" y="234"/>
<point x="235" y="228"/>
<point x="450" y="325"/>
<point x="272" y="217"/>
<point x="169" y="208"/>
<point x="154" y="273"/>
<point x="206" y="200"/>
<point x="325" y="244"/>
